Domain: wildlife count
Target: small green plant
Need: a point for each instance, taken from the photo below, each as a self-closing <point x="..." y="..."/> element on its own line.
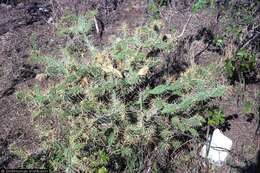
<point x="154" y="10"/>
<point x="235" y="31"/>
<point x="160" y="2"/>
<point x="71" y="24"/>
<point x="20" y="152"/>
<point x="248" y="107"/>
<point x="240" y="15"/>
<point x="199" y="5"/>
<point x="154" y="7"/>
<point x="216" y="118"/>
<point x="24" y="155"/>
<point x="202" y="4"/>
<point x="173" y="29"/>
<point x="34" y="45"/>
<point x="99" y="161"/>
<point x="219" y="42"/>
<point x="242" y="66"/>
<point x="102" y="170"/>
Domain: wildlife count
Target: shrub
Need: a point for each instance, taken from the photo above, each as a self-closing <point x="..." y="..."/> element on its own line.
<point x="241" y="67"/>
<point x="154" y="7"/>
<point x="201" y="4"/>
<point x="107" y="116"/>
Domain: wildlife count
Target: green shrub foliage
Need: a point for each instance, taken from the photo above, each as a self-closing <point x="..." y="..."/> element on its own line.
<point x="104" y="116"/>
<point x="242" y="66"/>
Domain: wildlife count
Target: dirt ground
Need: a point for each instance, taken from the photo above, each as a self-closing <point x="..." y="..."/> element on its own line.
<point x="20" y="19"/>
<point x="17" y="23"/>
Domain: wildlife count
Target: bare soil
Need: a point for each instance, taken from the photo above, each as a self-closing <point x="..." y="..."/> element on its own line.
<point x="20" y="19"/>
<point x="17" y="22"/>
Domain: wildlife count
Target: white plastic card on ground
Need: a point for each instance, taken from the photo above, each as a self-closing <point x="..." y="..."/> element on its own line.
<point x="217" y="148"/>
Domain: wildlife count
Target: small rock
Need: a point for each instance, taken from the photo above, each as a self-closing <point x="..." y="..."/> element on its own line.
<point x="50" y="20"/>
<point x="41" y="77"/>
<point x="20" y="5"/>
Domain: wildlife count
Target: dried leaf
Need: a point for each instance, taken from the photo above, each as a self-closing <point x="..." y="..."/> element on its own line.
<point x="110" y="69"/>
<point x="143" y="71"/>
<point x="84" y="82"/>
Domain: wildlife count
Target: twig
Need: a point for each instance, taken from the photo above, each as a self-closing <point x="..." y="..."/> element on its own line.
<point x="257" y="131"/>
<point x="250" y="40"/>
<point x="185" y="26"/>
<point x="96" y="24"/>
<point x="198" y="54"/>
<point x="255" y="27"/>
<point x="149" y="166"/>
